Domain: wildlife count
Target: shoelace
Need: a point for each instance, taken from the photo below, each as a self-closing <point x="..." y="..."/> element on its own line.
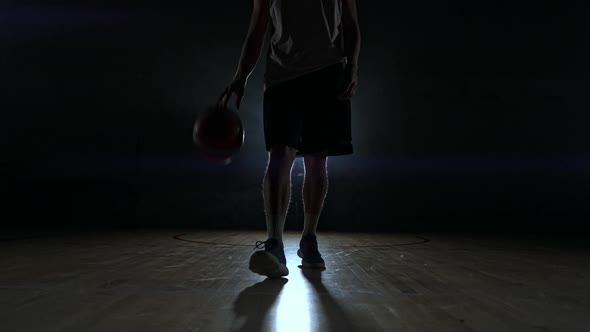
<point x="261" y="244"/>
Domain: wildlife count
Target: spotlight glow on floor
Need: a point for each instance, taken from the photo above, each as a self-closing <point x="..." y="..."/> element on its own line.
<point x="295" y="308"/>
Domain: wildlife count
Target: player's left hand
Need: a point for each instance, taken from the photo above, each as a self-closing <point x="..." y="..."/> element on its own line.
<point x="349" y="83"/>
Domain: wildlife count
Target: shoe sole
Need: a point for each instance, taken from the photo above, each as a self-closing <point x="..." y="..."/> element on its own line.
<point x="268" y="265"/>
<point x="310" y="265"/>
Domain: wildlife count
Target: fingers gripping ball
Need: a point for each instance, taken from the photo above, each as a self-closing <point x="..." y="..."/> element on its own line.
<point x="218" y="134"/>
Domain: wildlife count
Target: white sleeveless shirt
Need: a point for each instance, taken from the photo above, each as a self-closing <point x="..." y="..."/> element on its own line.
<point x="305" y="36"/>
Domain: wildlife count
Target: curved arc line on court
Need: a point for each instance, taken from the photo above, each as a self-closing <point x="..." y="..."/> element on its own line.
<point x="180" y="237"/>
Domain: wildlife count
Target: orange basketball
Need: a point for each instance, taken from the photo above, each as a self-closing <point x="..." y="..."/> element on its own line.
<point x="218" y="133"/>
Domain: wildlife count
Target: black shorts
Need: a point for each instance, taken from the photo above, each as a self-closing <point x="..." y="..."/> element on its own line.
<point x="305" y="113"/>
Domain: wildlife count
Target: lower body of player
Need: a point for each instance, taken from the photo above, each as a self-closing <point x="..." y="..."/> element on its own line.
<point x="302" y="118"/>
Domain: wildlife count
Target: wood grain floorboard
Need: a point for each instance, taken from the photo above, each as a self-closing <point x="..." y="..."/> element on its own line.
<point x="189" y="280"/>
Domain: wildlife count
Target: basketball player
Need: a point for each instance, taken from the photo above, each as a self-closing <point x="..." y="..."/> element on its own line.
<point x="310" y="76"/>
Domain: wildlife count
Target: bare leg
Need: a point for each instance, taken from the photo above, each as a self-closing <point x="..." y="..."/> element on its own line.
<point x="315" y="188"/>
<point x="277" y="189"/>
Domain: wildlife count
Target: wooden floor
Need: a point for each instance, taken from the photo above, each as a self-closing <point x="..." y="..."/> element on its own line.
<point x="163" y="280"/>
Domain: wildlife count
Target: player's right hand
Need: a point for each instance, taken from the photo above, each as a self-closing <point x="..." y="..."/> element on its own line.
<point x="235" y="87"/>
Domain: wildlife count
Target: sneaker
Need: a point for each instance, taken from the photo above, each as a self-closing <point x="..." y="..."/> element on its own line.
<point x="308" y="251"/>
<point x="271" y="261"/>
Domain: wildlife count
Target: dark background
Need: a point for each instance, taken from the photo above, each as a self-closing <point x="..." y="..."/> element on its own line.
<point x="471" y="116"/>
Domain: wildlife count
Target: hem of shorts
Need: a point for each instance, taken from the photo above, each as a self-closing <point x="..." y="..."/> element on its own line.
<point x="324" y="153"/>
<point x="330" y="152"/>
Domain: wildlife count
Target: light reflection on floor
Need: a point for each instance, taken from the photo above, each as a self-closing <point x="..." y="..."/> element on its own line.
<point x="295" y="306"/>
<point x="306" y="300"/>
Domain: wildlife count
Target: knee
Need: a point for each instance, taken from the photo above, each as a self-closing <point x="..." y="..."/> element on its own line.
<point x="282" y="153"/>
<point x="315" y="165"/>
<point x="280" y="160"/>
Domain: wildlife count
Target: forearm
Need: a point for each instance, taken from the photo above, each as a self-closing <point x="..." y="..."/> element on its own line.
<point x="352" y="44"/>
<point x="250" y="54"/>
